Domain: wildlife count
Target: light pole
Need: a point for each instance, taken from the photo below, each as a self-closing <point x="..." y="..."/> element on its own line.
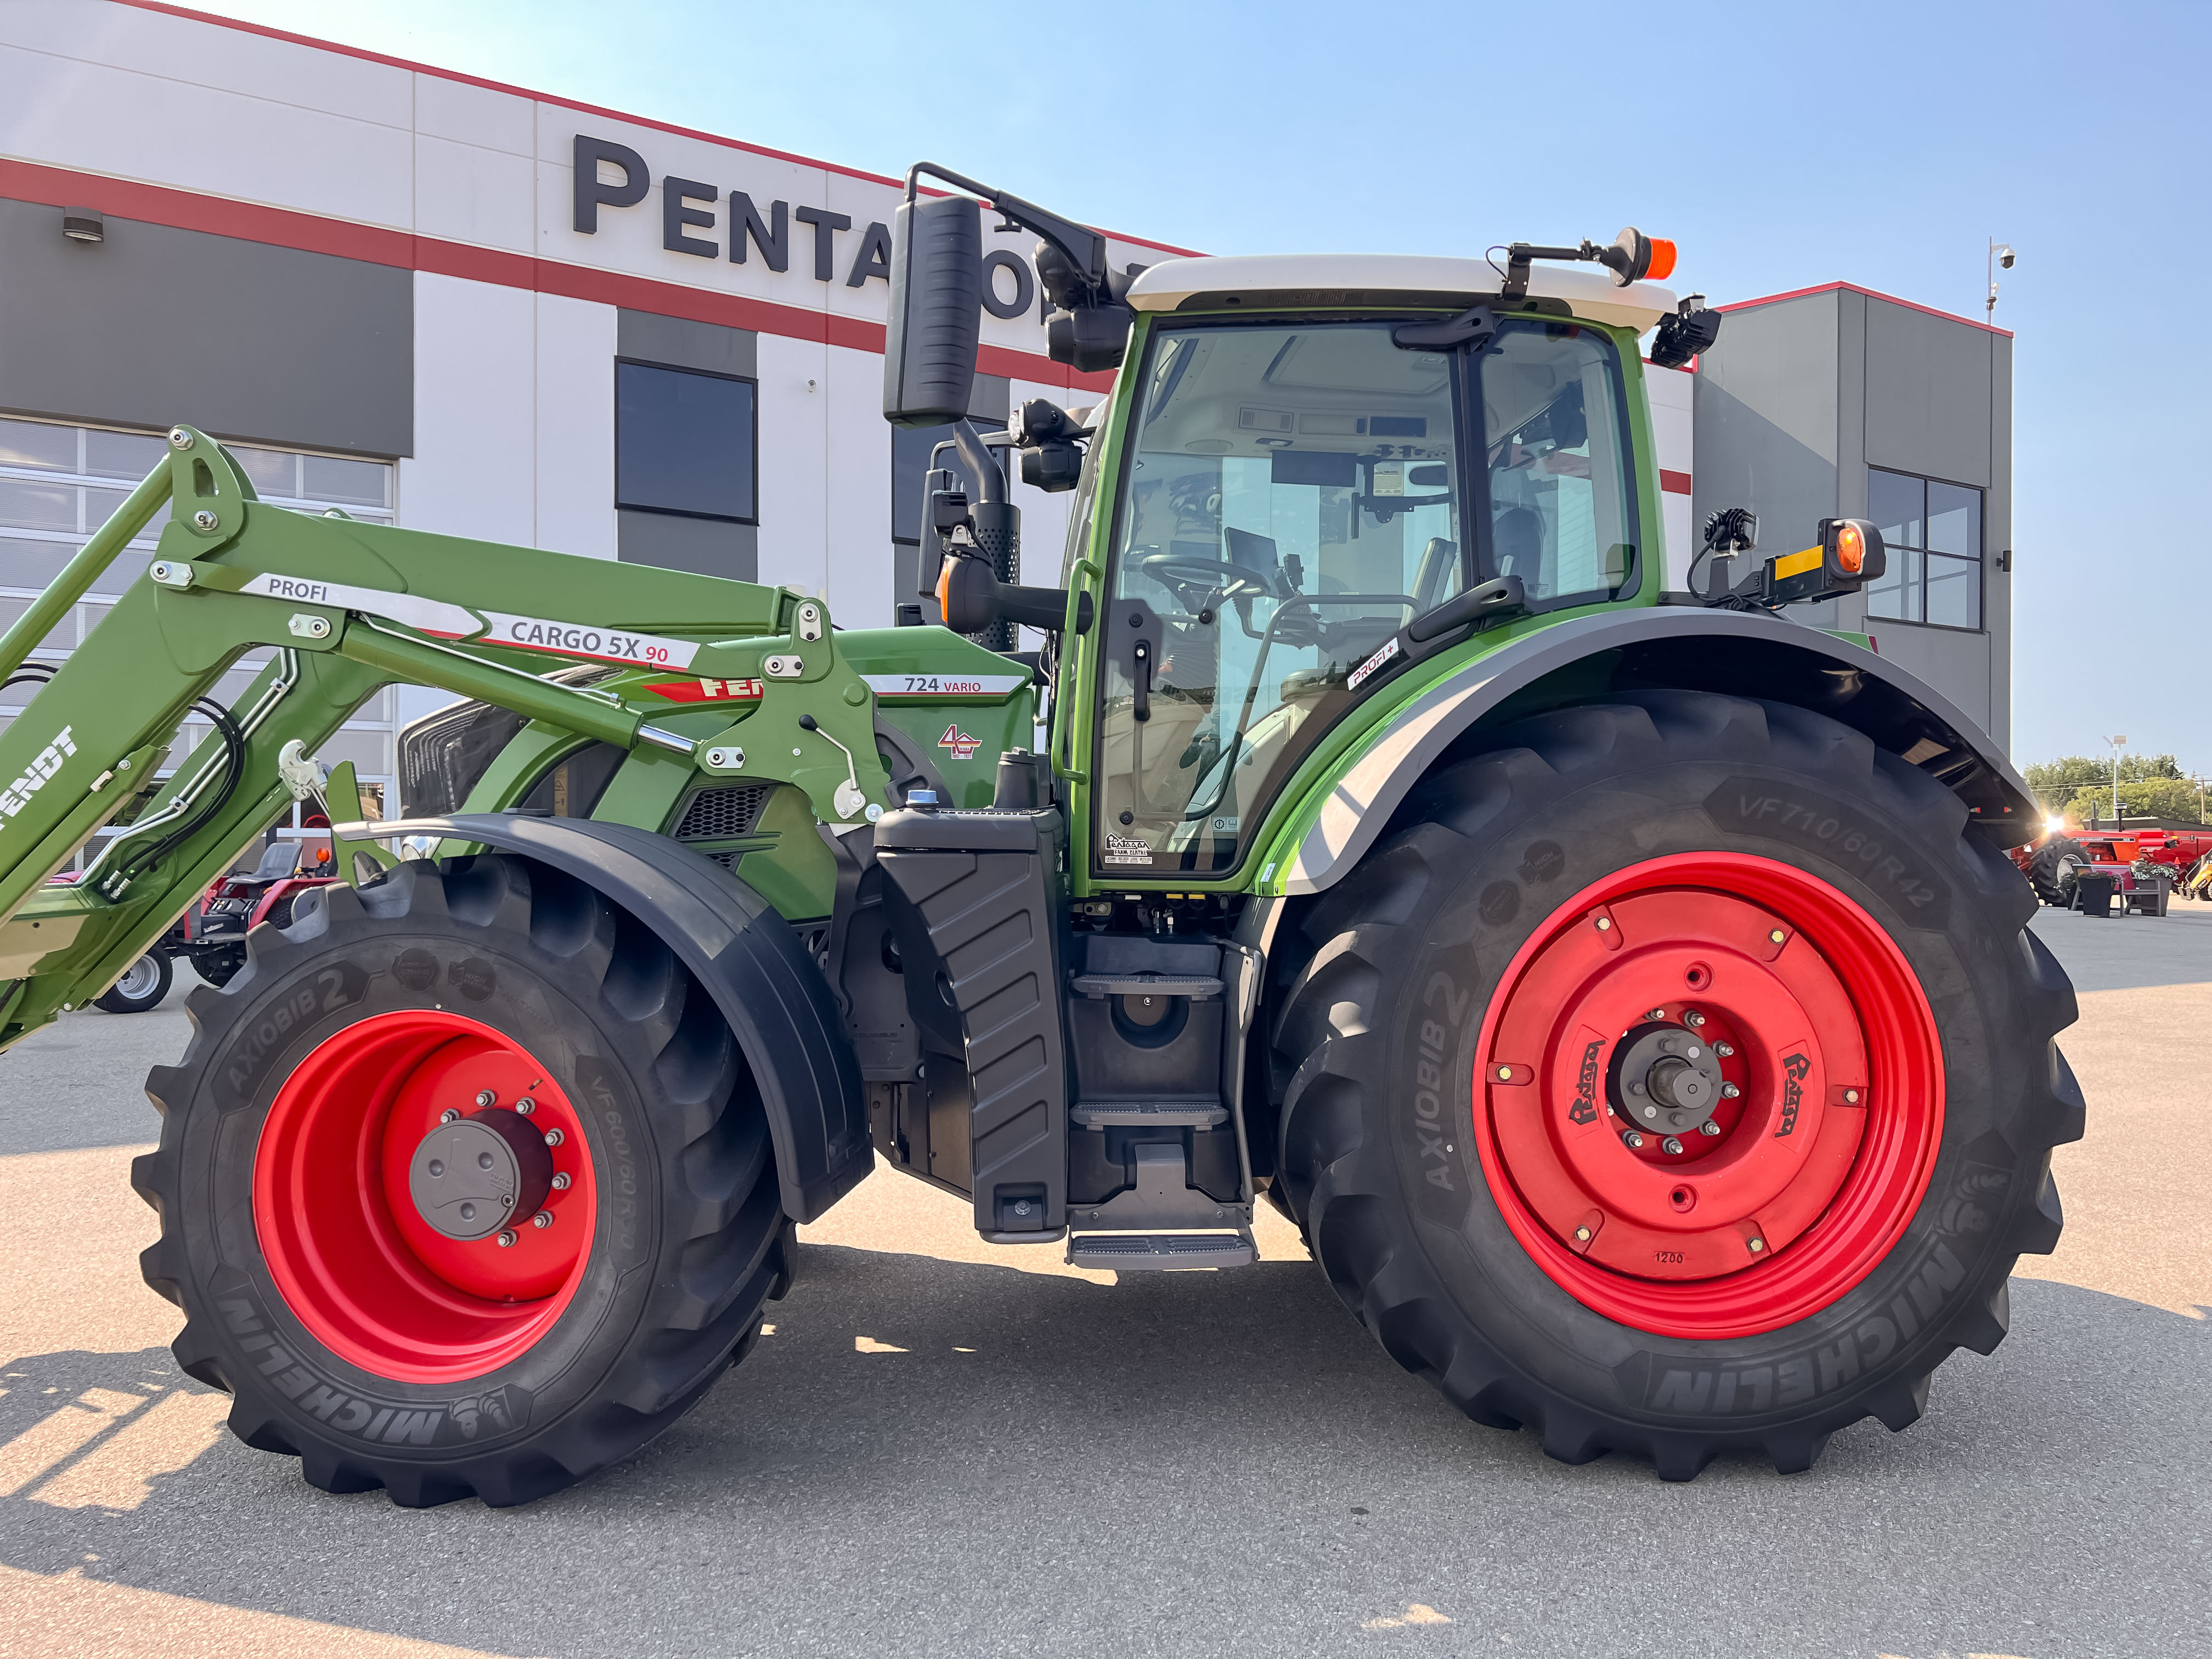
<point x="2118" y="744"/>
<point x="2001" y="258"/>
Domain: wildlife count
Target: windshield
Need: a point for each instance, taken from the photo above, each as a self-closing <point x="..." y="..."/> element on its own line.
<point x="1295" y="495"/>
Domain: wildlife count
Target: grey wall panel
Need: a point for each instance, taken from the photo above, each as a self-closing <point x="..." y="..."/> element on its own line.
<point x="1956" y="663"/>
<point x="1996" y="540"/>
<point x="1927" y="394"/>
<point x="156" y="325"/>
<point x="682" y="343"/>
<point x="706" y="547"/>
<point x="1765" y="416"/>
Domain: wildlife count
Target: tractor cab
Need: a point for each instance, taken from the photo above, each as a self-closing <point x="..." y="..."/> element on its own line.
<point x="1296" y="488"/>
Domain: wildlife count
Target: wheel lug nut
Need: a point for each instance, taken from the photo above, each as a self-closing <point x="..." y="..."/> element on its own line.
<point x="560" y="1181"/>
<point x="526" y="1105"/>
<point x="486" y="1099"/>
<point x="1656" y="1013"/>
<point x="542" y="1219"/>
<point x="1650" y="1111"/>
<point x="449" y="1115"/>
<point x="1723" y="1049"/>
<point x="1636" y="1088"/>
<point x="554" y="1137"/>
<point x="1729" y="1092"/>
<point x="1632" y="1141"/>
<point x="1708" y="1128"/>
<point x="1670" y="1144"/>
<point x="1694" y="1017"/>
<point x="506" y="1239"/>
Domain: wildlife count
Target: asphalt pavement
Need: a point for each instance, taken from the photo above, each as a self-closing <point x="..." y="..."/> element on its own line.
<point x="948" y="1449"/>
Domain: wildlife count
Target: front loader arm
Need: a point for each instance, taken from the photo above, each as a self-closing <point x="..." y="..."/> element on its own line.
<point x="347" y="608"/>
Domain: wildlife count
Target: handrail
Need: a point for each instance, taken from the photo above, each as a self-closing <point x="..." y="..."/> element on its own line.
<point x="78" y="575"/>
<point x="1065" y="764"/>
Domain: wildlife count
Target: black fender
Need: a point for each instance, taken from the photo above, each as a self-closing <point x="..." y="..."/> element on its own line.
<point x="1686" y="648"/>
<point x="772" y="992"/>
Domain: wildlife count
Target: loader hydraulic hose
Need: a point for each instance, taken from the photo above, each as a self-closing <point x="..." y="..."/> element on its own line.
<point x="77" y="577"/>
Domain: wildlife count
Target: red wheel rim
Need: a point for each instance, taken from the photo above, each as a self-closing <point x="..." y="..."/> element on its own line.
<point x="350" y="1254"/>
<point x="1822" y="1154"/>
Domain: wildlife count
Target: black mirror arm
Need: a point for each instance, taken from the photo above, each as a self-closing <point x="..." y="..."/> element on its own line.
<point x="1084" y="247"/>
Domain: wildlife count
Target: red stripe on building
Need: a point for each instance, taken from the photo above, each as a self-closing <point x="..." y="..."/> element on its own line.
<point x="310" y="233"/>
<point x="1674" y="483"/>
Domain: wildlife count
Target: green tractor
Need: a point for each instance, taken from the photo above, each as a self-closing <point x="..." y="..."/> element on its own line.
<point x="1624" y="993"/>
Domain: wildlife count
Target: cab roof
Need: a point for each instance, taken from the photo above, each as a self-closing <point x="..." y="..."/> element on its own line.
<point x="1273" y="280"/>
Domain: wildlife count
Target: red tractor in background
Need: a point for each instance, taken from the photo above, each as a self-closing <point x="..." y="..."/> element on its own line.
<point x="212" y="931"/>
<point x="2054" y="863"/>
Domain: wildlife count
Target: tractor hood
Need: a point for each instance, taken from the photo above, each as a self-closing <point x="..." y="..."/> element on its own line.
<point x="1275" y="280"/>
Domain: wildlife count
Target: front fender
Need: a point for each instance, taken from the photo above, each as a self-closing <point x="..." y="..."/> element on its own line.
<point x="769" y="990"/>
<point x="1734" y="653"/>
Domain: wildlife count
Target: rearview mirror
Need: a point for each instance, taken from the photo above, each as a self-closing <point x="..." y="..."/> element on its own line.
<point x="936" y="310"/>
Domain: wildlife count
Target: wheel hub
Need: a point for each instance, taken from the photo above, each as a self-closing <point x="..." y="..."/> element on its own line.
<point x="1709" y="1095"/>
<point x="471" y="1176"/>
<point x="1666" y="1080"/>
<point x="425" y="1276"/>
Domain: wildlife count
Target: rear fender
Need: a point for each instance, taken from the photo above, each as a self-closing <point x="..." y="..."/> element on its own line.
<point x="1639" y="649"/>
<point x="772" y="992"/>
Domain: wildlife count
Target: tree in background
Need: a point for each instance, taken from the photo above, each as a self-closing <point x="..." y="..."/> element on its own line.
<point x="2149" y="798"/>
<point x="2069" y="784"/>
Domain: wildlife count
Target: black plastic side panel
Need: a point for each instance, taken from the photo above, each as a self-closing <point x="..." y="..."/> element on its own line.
<point x="975" y="901"/>
<point x="772" y="992"/>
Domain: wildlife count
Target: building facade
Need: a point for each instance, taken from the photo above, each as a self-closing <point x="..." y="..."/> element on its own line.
<point x="1838" y="402"/>
<point x="465" y="307"/>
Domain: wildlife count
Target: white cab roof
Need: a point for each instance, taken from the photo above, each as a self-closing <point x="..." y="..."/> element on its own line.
<point x="1273" y="278"/>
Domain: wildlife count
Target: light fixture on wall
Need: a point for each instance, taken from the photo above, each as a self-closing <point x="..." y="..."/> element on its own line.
<point x="2001" y="258"/>
<point x="82" y="224"/>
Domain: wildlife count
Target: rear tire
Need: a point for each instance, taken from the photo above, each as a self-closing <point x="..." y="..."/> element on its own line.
<point x="143" y="984"/>
<point x="1441" y="1206"/>
<point x="351" y="1333"/>
<point x="2052" y="871"/>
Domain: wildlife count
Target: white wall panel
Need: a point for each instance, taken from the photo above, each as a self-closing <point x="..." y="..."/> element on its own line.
<point x="230" y="60"/>
<point x="794" y="463"/>
<point x="96" y="118"/>
<point x="473" y="472"/>
<point x="857" y="507"/>
<point x="575" y="426"/>
<point x="445" y="108"/>
<point x="465" y="194"/>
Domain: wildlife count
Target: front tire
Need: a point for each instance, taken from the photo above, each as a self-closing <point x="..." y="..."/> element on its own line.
<point x="389" y="1340"/>
<point x="1532" y="939"/>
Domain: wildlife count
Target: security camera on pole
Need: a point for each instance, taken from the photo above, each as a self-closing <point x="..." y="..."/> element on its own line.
<point x="2001" y="258"/>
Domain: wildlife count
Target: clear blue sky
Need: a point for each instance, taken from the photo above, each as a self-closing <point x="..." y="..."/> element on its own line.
<point x="1782" y="146"/>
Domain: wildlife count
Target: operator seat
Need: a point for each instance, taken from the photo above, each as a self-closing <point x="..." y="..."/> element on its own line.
<point x="1434" y="577"/>
<point x="1517" y="537"/>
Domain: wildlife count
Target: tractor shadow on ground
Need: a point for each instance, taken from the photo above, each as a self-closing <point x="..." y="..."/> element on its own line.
<point x="937" y="1456"/>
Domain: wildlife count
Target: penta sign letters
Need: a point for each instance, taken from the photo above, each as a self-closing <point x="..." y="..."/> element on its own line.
<point x="696" y="219"/>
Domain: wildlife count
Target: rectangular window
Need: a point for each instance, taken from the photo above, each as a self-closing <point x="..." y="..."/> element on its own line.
<point x="1933" y="533"/>
<point x="685" y="442"/>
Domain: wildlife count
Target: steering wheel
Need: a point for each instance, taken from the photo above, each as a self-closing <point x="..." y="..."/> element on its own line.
<point x="1177" y="572"/>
